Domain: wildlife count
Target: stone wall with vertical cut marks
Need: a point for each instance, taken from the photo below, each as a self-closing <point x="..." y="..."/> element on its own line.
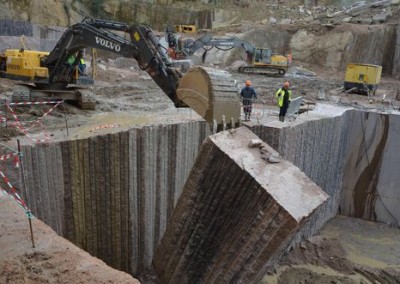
<point x="237" y="213"/>
<point x="113" y="194"/>
<point x="351" y="157"/>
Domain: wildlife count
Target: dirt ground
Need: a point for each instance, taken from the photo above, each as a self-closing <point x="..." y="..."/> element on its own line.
<point x="53" y="260"/>
<point x="128" y="97"/>
<point x="346" y="251"/>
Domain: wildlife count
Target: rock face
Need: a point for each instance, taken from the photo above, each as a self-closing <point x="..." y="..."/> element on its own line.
<point x="350" y="156"/>
<point x="236" y="215"/>
<point x="113" y="195"/>
<point x="318" y="148"/>
<point x="45" y="12"/>
<point x="333" y="48"/>
<point x="333" y="44"/>
<point x="370" y="189"/>
<point x="35" y="36"/>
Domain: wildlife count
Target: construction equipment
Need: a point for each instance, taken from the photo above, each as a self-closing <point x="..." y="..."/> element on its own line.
<point x="362" y="78"/>
<point x="191" y="29"/>
<point x="49" y="74"/>
<point x="176" y="43"/>
<point x="259" y="60"/>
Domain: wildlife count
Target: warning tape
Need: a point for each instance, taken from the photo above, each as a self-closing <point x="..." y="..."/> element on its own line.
<point x="13" y="192"/>
<point x="104" y="127"/>
<point x="20" y="127"/>
<point x="38" y="121"/>
<point x="33" y="103"/>
<point x="8" y="156"/>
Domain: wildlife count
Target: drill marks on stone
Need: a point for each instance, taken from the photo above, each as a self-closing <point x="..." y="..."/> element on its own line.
<point x="231" y="217"/>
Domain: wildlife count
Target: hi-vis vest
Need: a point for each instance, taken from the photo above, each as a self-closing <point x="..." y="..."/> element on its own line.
<point x="279" y="96"/>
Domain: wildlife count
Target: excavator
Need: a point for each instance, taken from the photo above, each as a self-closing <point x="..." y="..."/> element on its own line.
<point x="260" y="60"/>
<point x="47" y="75"/>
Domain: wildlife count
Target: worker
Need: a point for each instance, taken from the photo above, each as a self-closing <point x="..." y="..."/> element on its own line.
<point x="71" y="59"/>
<point x="81" y="66"/>
<point x="283" y="96"/>
<point x="248" y="95"/>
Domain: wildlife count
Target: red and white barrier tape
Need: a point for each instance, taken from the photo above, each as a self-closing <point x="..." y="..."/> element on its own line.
<point x="104" y="127"/>
<point x="38" y="121"/>
<point x="20" y="127"/>
<point x="14" y="192"/>
<point x="8" y="156"/>
<point x="33" y="103"/>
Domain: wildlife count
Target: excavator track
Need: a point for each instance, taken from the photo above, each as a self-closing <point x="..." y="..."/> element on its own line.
<point x="213" y="95"/>
<point x="269" y="71"/>
<point x="83" y="98"/>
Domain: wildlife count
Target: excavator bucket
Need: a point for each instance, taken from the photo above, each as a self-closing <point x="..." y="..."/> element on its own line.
<point x="212" y="94"/>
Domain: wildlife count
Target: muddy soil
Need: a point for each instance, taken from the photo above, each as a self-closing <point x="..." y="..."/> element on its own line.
<point x="122" y="90"/>
<point x="347" y="250"/>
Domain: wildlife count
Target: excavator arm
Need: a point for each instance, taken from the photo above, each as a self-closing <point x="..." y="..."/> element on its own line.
<point x="210" y="93"/>
<point x="260" y="60"/>
<point x="225" y="43"/>
<point x="143" y="47"/>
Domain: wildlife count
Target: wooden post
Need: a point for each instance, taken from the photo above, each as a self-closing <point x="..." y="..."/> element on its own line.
<point x="28" y="213"/>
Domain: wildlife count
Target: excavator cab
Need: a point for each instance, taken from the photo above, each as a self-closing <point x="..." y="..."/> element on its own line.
<point x="262" y="56"/>
<point x="50" y="76"/>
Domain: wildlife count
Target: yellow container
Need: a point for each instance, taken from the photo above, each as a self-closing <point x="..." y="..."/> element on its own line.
<point x="362" y="78"/>
<point x="186" y="29"/>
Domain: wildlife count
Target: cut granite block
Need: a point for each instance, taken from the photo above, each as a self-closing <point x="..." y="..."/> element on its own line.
<point x="238" y="211"/>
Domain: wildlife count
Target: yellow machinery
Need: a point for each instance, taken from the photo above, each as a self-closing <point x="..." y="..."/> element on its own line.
<point x="24" y="64"/>
<point x="191" y="29"/>
<point x="362" y="78"/>
<point x="58" y="75"/>
<point x="260" y="60"/>
<point x="279" y="60"/>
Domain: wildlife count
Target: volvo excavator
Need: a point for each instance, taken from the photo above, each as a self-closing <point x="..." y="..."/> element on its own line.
<point x="48" y="75"/>
<point x="260" y="60"/>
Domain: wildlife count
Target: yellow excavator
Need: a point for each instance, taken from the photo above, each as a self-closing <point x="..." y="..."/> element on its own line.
<point x="259" y="60"/>
<point x="51" y="75"/>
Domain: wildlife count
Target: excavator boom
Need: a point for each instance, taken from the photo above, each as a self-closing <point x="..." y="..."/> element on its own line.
<point x="143" y="47"/>
<point x="198" y="91"/>
<point x="259" y="59"/>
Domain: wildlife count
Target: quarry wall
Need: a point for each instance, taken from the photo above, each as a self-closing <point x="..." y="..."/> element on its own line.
<point x="351" y="157"/>
<point x="237" y="214"/>
<point x="371" y="183"/>
<point x="334" y="48"/>
<point x="318" y="148"/>
<point x="114" y="194"/>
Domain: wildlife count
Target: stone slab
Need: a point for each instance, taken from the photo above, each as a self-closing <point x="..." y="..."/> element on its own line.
<point x="236" y="215"/>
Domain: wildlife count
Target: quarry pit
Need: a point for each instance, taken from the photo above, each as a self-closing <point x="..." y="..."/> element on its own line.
<point x="141" y="187"/>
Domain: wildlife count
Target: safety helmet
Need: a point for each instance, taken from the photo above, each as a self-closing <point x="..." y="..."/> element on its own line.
<point x="248" y="83"/>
